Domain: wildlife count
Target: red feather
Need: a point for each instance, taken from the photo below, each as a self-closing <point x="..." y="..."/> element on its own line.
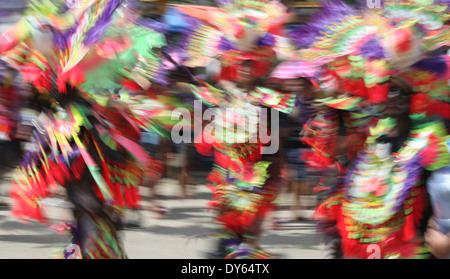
<point x="131" y="85"/>
<point x="119" y="195"/>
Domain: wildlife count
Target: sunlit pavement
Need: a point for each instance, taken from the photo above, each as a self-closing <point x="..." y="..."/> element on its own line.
<point x="175" y="236"/>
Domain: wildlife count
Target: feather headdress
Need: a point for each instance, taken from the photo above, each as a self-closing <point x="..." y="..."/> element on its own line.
<point x="235" y="31"/>
<point x="360" y="50"/>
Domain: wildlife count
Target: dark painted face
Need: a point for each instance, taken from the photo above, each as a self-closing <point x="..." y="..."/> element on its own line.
<point x="298" y="86"/>
<point x="398" y="101"/>
<point x="293" y="85"/>
<point x="245" y="72"/>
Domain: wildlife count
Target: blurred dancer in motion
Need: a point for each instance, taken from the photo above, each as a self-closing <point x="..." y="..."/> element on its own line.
<point x="400" y="154"/>
<point x="244" y="179"/>
<point x="90" y="144"/>
<point x="181" y="154"/>
<point x="10" y="101"/>
<point x="298" y="78"/>
<point x="293" y="146"/>
<point x="156" y="140"/>
<point x="9" y="118"/>
<point x="151" y="143"/>
<point x="378" y="209"/>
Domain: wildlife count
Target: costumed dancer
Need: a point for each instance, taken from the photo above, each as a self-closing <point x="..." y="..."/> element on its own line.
<point x="153" y="114"/>
<point x="298" y="78"/>
<point x="243" y="179"/>
<point x="384" y="64"/>
<point x="10" y="102"/>
<point x="90" y="144"/>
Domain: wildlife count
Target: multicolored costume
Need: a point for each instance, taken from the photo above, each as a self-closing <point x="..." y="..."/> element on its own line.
<point x="243" y="179"/>
<point x="91" y="144"/>
<point x="382" y="198"/>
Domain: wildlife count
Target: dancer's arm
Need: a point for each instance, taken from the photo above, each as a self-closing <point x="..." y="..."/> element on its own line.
<point x="436" y="241"/>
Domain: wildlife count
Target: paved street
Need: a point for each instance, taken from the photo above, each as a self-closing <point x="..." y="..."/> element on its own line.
<point x="168" y="238"/>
